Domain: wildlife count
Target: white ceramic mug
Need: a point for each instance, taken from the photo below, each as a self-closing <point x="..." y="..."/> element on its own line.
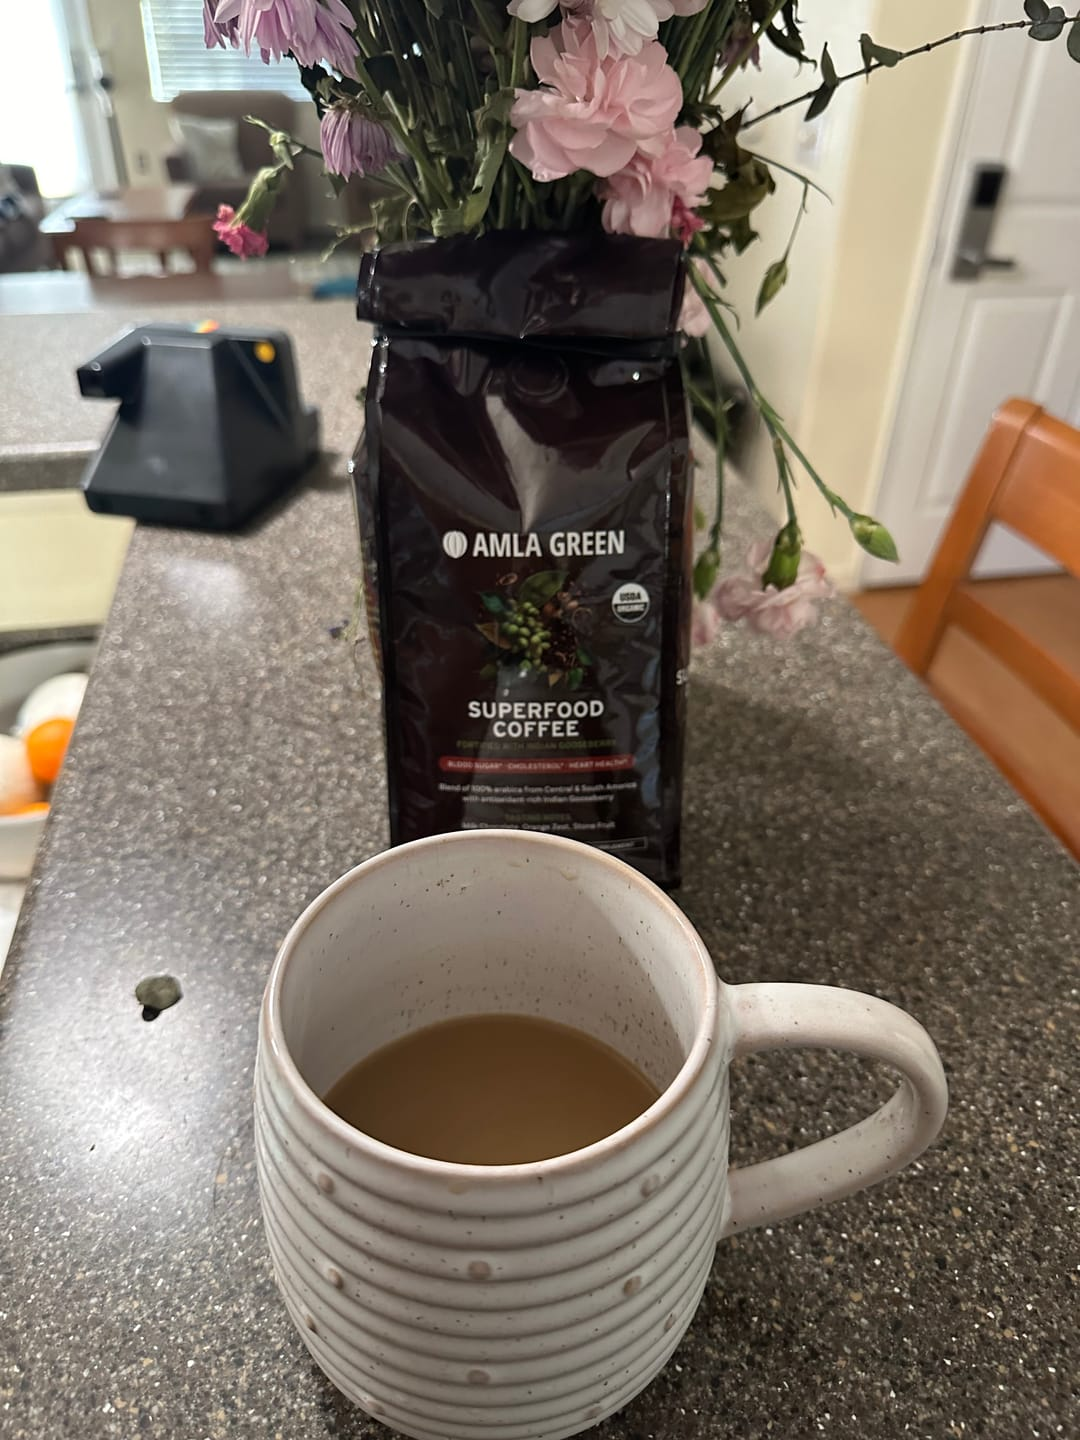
<point x="456" y="1302"/>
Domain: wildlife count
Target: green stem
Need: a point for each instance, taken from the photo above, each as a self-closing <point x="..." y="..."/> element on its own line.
<point x="902" y="55"/>
<point x="509" y="199"/>
<point x="506" y="198"/>
<point x="695" y="51"/>
<point x="798" y="221"/>
<point x="496" y="39"/>
<point x="783" y="470"/>
<point x="748" y="49"/>
<point x="778" y="431"/>
<point x="463" y="64"/>
<point x="438" y="192"/>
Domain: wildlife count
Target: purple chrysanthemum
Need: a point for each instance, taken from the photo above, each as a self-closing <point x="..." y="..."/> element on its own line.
<point x="354" y="144"/>
<point x="214" y="33"/>
<point x="312" y="30"/>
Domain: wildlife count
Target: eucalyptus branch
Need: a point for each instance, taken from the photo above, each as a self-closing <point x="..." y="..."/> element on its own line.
<point x="1025" y="24"/>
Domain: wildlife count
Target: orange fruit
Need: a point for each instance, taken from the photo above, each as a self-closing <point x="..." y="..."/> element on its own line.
<point x="46" y="746"/>
<point x="39" y="807"/>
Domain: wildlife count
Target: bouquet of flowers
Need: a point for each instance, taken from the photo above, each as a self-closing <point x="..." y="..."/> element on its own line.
<point x="570" y="115"/>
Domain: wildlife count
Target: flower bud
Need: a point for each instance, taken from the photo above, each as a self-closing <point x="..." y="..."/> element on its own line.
<point x="874" y="538"/>
<point x="783" y="567"/>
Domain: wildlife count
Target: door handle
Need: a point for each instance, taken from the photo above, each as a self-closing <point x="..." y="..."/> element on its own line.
<point x="973" y="263"/>
<point x="976" y="224"/>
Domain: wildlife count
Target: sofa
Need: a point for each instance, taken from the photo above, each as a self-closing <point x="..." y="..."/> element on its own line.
<point x="288" y="223"/>
<point x="22" y="246"/>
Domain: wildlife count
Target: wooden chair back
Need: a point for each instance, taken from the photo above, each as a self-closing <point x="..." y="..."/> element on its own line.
<point x="191" y="233"/>
<point x="1026" y="476"/>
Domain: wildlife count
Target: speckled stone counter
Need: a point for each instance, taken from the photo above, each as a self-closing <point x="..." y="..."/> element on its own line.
<point x="227" y="765"/>
<point x="48" y="432"/>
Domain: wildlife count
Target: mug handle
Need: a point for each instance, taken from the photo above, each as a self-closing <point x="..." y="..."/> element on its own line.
<point x="788" y="1017"/>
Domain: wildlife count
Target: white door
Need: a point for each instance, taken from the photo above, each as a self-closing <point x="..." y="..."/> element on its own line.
<point x="54" y="115"/>
<point x="1011" y="331"/>
<point x="90" y="98"/>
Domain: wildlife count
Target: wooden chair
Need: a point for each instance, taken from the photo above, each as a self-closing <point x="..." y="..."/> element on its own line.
<point x="1026" y="476"/>
<point x="191" y="233"/>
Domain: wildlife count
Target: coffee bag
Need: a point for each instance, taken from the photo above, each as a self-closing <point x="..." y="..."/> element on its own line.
<point x="523" y="499"/>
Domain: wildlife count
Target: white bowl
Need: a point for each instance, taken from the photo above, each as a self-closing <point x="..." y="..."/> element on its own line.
<point x="20" y="672"/>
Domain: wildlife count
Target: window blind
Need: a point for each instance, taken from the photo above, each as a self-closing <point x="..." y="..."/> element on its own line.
<point x="179" y="59"/>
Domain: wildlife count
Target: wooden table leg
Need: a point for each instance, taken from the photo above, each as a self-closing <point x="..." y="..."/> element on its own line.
<point x="61" y="244"/>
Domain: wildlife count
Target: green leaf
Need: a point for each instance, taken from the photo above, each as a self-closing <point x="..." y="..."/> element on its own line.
<point x="492" y="632"/>
<point x="744" y="192"/>
<point x="341" y="235"/>
<point x="879" y="54"/>
<point x="874" y="538"/>
<point x="742" y="234"/>
<point x="284" y="147"/>
<point x="775" y="280"/>
<point x="785" y="36"/>
<point x="1073" y="42"/>
<point x="829" y="81"/>
<point x="583" y="657"/>
<point x="706" y="569"/>
<point x="1051" y="27"/>
<point x="538" y="589"/>
<point x="575" y="677"/>
<point x="1036" y="9"/>
<point x="493" y="604"/>
<point x="494" y="114"/>
<point x="699" y="518"/>
<point x="821" y="98"/>
<point x="493" y="130"/>
<point x="389" y="216"/>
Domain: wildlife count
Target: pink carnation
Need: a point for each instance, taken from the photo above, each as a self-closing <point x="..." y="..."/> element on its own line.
<point x="694" y="318"/>
<point x="766" y="609"/>
<point x="240" y="238"/>
<point x="641" y="198"/>
<point x="590" y="113"/>
<point x="704" y="624"/>
<point x="621" y="27"/>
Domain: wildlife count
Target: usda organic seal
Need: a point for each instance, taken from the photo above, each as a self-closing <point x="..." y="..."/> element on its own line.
<point x="630" y="603"/>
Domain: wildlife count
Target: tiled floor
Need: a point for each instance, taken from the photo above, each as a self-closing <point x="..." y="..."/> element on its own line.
<point x="10" y="900"/>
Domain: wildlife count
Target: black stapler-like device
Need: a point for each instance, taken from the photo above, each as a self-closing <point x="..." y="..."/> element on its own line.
<point x="210" y="429"/>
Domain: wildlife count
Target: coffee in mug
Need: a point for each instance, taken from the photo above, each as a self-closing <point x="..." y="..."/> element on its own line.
<point x="492" y="1090"/>
<point x="531" y="1298"/>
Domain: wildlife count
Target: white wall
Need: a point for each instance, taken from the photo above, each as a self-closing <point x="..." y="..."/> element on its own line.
<point x="828" y="351"/>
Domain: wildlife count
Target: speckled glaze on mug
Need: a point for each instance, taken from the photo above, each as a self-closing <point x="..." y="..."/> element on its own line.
<point x="529" y="1302"/>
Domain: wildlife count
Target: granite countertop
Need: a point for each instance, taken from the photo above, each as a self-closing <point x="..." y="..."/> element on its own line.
<point x="48" y="432"/>
<point x="838" y="828"/>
